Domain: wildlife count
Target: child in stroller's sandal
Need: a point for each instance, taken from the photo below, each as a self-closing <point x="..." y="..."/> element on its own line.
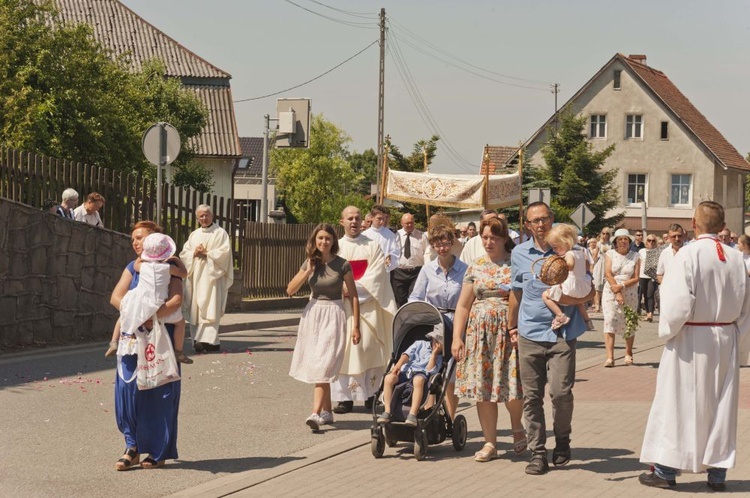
<point x="421" y="360"/>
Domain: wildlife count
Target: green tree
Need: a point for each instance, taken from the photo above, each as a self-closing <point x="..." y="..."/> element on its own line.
<point x="365" y="164"/>
<point x="575" y="175"/>
<point x="414" y="162"/>
<point x="318" y="182"/>
<point x="63" y="95"/>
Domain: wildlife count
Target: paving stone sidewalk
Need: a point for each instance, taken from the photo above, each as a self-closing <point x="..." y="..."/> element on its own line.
<point x="611" y="409"/>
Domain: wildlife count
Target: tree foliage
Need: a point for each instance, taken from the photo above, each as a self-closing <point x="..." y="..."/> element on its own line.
<point x="63" y="95"/>
<point x="318" y="182"/>
<point x="574" y="173"/>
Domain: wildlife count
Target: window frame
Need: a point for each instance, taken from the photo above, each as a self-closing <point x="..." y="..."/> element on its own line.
<point x="689" y="200"/>
<point x="601" y="120"/>
<point x="637" y="121"/>
<point x="635" y="184"/>
<point x="664" y="130"/>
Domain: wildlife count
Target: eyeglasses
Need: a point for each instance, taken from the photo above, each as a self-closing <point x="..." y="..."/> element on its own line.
<point x="540" y="221"/>
<point x="650" y="240"/>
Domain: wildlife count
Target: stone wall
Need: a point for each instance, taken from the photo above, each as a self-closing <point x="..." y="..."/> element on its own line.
<point x="56" y="277"/>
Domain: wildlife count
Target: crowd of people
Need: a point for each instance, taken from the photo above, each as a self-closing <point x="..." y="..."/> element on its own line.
<point x="514" y="337"/>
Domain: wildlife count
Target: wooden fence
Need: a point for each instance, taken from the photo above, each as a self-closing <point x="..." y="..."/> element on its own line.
<point x="32" y="178"/>
<point x="272" y="255"/>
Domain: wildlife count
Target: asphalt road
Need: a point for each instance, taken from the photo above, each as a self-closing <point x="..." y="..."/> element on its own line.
<point x="239" y="410"/>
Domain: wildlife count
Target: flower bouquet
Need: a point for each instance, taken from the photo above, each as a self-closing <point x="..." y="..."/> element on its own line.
<point x="631" y="321"/>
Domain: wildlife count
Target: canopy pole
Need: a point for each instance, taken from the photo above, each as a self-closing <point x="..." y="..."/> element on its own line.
<point x="520" y="204"/>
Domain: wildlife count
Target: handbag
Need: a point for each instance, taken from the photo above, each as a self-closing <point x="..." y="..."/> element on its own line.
<point x="157" y="364"/>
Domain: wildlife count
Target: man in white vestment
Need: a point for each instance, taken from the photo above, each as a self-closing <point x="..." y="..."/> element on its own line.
<point x="380" y="233"/>
<point x="705" y="315"/>
<point x="207" y="254"/>
<point x="364" y="364"/>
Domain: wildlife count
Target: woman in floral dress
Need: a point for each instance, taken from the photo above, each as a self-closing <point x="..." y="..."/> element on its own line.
<point x="488" y="362"/>
<point x="622" y="270"/>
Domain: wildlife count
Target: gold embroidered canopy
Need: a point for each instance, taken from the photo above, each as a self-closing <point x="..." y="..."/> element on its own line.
<point x="459" y="191"/>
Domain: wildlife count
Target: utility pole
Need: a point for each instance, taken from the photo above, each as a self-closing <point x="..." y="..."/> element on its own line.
<point x="381" y="98"/>
<point x="556" y="90"/>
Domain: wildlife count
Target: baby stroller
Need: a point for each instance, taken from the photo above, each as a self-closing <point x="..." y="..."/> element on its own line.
<point x="413" y="322"/>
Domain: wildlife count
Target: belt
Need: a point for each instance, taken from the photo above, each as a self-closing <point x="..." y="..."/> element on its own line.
<point x="416" y="268"/>
<point x="708" y="324"/>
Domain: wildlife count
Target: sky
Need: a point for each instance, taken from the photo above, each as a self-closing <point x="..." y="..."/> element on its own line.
<point x="511" y="53"/>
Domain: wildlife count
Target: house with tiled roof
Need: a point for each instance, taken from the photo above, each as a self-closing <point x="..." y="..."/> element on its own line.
<point x="667" y="153"/>
<point x="497" y="159"/>
<point x="128" y="35"/>
<point x="248" y="189"/>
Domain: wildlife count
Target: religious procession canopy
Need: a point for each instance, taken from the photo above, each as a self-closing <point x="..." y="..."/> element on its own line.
<point x="459" y="191"/>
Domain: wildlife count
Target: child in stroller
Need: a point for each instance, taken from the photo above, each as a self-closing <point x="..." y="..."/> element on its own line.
<point x="417" y="322"/>
<point x="417" y="364"/>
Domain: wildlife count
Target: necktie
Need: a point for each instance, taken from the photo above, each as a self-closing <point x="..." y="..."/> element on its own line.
<point x="407" y="247"/>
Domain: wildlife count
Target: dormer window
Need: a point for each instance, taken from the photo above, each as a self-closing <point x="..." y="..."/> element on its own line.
<point x="616" y="84"/>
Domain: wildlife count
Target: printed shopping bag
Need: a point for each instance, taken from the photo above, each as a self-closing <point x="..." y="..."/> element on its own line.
<point x="157" y="364"/>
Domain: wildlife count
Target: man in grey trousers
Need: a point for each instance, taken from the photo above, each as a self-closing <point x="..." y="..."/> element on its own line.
<point x="545" y="355"/>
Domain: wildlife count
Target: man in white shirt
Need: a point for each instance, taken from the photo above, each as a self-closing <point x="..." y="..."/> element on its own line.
<point x="412" y="246"/>
<point x="474" y="248"/>
<point x="88" y="212"/>
<point x="677" y="236"/>
<point x="380" y="233"/>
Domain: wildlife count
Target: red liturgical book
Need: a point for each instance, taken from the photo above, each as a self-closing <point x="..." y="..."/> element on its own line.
<point x="359" y="266"/>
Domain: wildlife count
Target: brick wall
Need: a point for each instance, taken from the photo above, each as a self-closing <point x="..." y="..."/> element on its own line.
<point x="56" y="277"/>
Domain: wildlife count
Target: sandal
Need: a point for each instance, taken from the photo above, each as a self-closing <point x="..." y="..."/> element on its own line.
<point x="609" y="363"/>
<point x="130" y="458"/>
<point x="487" y="453"/>
<point x="180" y="357"/>
<point x="150" y="463"/>
<point x="520" y="445"/>
<point x="628" y="360"/>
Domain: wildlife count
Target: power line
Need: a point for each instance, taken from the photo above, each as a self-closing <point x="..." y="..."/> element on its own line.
<point x="363" y="15"/>
<point x="310" y="80"/>
<point x="475" y="73"/>
<point x="424" y="112"/>
<point x="352" y="24"/>
<point x="458" y="59"/>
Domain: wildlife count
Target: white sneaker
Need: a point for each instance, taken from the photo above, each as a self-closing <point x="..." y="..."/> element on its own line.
<point x="326" y="417"/>
<point x="314" y="422"/>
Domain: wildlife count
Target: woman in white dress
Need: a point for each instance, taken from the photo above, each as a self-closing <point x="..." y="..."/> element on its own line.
<point x="319" y="351"/>
<point x="621" y="269"/>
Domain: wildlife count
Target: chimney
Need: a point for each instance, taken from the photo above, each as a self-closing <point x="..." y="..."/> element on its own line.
<point x="639" y="58"/>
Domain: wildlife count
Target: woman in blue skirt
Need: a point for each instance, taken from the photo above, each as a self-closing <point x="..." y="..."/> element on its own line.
<point x="147" y="419"/>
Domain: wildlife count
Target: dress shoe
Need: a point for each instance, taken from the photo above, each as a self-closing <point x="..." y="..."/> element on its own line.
<point x="343" y="407"/>
<point x="199" y="347"/>
<point x="561" y="453"/>
<point x="654" y="481"/>
<point x="538" y="465"/>
<point x="211" y="348"/>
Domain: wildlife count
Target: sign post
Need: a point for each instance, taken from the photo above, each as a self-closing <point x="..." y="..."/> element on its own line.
<point x="540" y="195"/>
<point x="582" y="216"/>
<point x="161" y="146"/>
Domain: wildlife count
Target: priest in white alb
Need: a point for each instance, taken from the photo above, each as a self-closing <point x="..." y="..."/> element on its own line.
<point x="207" y="254"/>
<point x="705" y="315"/>
<point x="364" y="363"/>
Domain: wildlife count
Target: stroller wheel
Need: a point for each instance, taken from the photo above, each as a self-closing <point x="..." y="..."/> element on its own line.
<point x="420" y="444"/>
<point x="459" y="432"/>
<point x="377" y="445"/>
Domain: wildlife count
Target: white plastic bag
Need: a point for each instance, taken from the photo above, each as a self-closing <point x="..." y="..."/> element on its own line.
<point x="157" y="364"/>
